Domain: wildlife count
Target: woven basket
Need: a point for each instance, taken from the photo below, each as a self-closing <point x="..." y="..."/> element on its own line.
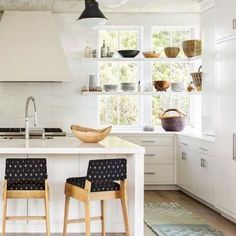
<point x="173" y="123"/>
<point x="197" y="79"/>
<point x="192" y="48"/>
<point x="172" y="52"/>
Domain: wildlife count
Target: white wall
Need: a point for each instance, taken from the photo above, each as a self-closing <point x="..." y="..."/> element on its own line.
<point x="60" y="104"/>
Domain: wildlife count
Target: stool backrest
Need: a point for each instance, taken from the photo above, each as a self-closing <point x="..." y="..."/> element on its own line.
<point x="107" y="169"/>
<point x="26" y="169"/>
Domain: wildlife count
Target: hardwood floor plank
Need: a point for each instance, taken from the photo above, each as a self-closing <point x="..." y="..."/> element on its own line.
<point x="212" y="217"/>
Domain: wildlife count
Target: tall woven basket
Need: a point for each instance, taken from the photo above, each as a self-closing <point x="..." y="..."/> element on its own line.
<point x="197" y="79"/>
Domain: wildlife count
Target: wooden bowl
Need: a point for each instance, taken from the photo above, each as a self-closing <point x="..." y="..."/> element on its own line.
<point x="88" y="135"/>
<point x="192" y="48"/>
<point x="151" y="54"/>
<point x="172" y="52"/>
<point x="161" y="85"/>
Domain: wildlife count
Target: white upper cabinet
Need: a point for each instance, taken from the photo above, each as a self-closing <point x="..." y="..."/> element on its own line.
<point x="225" y="18"/>
<point x="226" y="127"/>
<point x="30" y="48"/>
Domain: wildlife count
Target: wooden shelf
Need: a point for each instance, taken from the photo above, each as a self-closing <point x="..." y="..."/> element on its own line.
<point x="120" y="93"/>
<point x="138" y="59"/>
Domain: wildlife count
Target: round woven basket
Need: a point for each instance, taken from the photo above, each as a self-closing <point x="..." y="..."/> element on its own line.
<point x="173" y="123"/>
<point x="197" y="79"/>
<point x="192" y="48"/>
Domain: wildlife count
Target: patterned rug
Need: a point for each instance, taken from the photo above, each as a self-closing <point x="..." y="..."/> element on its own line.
<point x="170" y="219"/>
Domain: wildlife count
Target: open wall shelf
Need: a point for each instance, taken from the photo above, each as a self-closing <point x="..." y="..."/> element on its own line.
<point x="137" y="59"/>
<point x="120" y="93"/>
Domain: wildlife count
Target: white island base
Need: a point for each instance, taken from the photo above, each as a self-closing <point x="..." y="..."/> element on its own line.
<point x="67" y="157"/>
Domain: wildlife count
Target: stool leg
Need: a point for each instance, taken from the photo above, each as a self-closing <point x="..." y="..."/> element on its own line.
<point x="103" y="217"/>
<point x="4" y="213"/>
<point x="46" y="201"/>
<point x="4" y="210"/>
<point x="66" y="213"/>
<point x="87" y="217"/>
<point x="124" y="206"/>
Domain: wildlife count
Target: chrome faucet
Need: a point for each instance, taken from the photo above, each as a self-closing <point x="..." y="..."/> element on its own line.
<point x="27" y="116"/>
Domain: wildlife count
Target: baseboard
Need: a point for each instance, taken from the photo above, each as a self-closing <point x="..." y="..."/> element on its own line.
<point x="200" y="200"/>
<point x="162" y="187"/>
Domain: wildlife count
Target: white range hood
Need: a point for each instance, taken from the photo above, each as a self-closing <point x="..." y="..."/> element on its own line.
<point x="30" y="48"/>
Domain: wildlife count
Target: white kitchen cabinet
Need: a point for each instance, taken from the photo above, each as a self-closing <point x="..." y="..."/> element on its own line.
<point x="186" y="169"/>
<point x="195" y="167"/>
<point x="159" y="157"/>
<point x="204" y="178"/>
<point x="225" y="14"/>
<point x="226" y="127"/>
<point x="158" y="174"/>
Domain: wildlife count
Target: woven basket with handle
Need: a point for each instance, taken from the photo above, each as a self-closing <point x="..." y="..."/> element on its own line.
<point x="197" y="79"/>
<point x="173" y="123"/>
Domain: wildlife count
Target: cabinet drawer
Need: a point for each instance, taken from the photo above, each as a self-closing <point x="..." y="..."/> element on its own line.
<point x="159" y="155"/>
<point x="206" y="147"/>
<point x="151" y="140"/>
<point x="158" y="174"/>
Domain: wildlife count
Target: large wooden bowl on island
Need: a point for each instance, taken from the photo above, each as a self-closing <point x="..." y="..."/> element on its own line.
<point x="88" y="135"/>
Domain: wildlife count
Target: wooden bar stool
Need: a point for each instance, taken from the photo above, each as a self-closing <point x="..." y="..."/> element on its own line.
<point x="106" y="179"/>
<point x="25" y="178"/>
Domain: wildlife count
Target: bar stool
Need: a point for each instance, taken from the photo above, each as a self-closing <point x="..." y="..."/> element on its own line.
<point x="99" y="184"/>
<point x="25" y="178"/>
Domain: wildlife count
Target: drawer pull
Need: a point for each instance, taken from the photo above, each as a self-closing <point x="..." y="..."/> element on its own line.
<point x="234" y="147"/>
<point x="185" y="144"/>
<point x="203" y="163"/>
<point x="203" y="149"/>
<point x="148" y="141"/>
<point x="149" y="173"/>
<point x="149" y="155"/>
<point x="184" y="156"/>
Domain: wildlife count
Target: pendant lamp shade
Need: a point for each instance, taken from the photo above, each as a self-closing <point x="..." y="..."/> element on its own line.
<point x="92" y="17"/>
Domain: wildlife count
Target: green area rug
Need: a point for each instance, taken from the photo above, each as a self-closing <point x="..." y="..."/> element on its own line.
<point x="170" y="219"/>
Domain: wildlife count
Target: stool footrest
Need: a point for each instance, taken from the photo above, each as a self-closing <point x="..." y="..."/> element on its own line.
<point x="83" y="220"/>
<point x="25" y="217"/>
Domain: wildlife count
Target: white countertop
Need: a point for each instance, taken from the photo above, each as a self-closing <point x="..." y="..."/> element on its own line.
<point x="191" y="133"/>
<point x="68" y="145"/>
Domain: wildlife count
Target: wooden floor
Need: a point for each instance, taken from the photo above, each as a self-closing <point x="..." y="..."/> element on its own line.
<point x="210" y="216"/>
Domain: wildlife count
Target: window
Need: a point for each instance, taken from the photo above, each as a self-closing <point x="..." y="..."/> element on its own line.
<point x="129" y="110"/>
<point x="174" y="72"/>
<point x="115" y="110"/>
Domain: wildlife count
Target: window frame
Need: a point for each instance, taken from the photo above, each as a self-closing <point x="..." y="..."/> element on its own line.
<point x="139" y="29"/>
<point x="145" y="102"/>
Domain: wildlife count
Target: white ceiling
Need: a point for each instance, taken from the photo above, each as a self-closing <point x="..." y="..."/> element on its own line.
<point x="78" y="5"/>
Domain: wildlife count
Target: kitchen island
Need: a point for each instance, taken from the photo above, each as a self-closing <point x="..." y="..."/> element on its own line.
<point x="68" y="157"/>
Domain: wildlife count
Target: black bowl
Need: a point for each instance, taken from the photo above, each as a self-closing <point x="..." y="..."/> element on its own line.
<point x="129" y="53"/>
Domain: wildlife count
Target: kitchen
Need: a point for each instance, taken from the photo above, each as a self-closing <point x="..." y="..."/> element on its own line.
<point x="62" y="70"/>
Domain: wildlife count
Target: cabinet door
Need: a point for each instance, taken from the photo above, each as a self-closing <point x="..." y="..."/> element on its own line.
<point x="186" y="169"/>
<point x="225" y="14"/>
<point x="205" y="177"/>
<point x="226" y="126"/>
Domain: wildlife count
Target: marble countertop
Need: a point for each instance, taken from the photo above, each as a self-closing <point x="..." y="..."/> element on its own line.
<point x="68" y="145"/>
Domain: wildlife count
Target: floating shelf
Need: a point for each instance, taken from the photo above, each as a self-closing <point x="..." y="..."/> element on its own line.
<point x="120" y="93"/>
<point x="137" y="59"/>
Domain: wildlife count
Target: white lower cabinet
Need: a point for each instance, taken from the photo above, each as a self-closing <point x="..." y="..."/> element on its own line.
<point x="195" y="169"/>
<point x="159" y="157"/>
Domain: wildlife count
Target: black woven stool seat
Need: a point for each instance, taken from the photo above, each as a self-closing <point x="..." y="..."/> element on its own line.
<point x="97" y="186"/>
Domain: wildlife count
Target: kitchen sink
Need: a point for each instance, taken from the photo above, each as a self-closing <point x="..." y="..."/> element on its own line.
<point x="23" y="137"/>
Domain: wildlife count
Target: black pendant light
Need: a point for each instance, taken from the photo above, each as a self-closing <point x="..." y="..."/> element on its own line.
<point x="92" y="16"/>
